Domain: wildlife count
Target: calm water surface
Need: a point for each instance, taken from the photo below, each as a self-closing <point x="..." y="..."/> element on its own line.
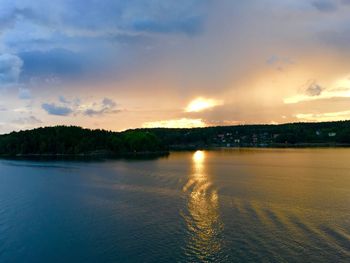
<point x="220" y="206"/>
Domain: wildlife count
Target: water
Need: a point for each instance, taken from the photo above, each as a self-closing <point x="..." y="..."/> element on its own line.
<point x="288" y="205"/>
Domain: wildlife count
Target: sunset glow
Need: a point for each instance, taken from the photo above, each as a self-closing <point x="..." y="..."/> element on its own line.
<point x="132" y="64"/>
<point x="174" y="131"/>
<point x="180" y="123"/>
<point x="328" y="116"/>
<point x="201" y="104"/>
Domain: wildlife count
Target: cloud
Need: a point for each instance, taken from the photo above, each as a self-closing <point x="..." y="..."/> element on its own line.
<point x="324" y="5"/>
<point x="280" y="63"/>
<point x="56" y="39"/>
<point x="108" y="103"/>
<point x="338" y="38"/>
<point x="107" y="106"/>
<point x="10" y="68"/>
<point x="24" y="94"/>
<point x="27" y="120"/>
<point x="56" y="62"/>
<point x="173" y="51"/>
<point x="327" y="116"/>
<point x="314" y="90"/>
<point x="66" y="107"/>
<point x="190" y="26"/>
<point x="157" y="16"/>
<point x="52" y="109"/>
<point x="8" y="17"/>
<point x="63" y="100"/>
<point x="338" y="89"/>
<point x="277" y="59"/>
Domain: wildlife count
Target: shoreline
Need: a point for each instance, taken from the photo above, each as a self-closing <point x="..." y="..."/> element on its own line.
<point x="87" y="156"/>
<point x="270" y="146"/>
<point x="159" y="154"/>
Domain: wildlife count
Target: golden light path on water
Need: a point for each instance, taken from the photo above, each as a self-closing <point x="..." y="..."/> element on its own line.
<point x="202" y="218"/>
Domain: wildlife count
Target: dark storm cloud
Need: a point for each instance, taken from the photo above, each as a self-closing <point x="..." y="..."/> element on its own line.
<point x="52" y="62"/>
<point x="157" y="15"/>
<point x="60" y="37"/>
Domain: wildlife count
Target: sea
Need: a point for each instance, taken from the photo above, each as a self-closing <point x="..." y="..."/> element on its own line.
<point x="228" y="205"/>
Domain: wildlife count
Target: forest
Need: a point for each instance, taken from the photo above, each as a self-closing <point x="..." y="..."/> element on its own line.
<point x="264" y="135"/>
<point x="72" y="140"/>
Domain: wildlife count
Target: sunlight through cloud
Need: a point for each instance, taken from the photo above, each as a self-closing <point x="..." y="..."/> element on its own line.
<point x="201" y="104"/>
<point x="340" y="89"/>
<point x="178" y="123"/>
<point x="328" y="116"/>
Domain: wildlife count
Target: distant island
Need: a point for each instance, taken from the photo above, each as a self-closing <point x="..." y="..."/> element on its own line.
<point x="72" y="140"/>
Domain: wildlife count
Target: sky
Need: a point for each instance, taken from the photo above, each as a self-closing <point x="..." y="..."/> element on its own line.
<point x="116" y="64"/>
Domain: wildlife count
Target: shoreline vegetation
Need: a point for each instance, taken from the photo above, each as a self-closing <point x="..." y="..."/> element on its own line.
<point x="73" y="141"/>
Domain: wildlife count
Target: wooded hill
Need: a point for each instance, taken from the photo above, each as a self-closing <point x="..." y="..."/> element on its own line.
<point x="72" y="140"/>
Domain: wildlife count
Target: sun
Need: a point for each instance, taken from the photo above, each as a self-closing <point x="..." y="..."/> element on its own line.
<point x="201" y="104"/>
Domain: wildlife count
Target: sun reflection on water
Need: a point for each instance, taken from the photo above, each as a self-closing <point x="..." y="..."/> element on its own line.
<point x="202" y="218"/>
<point x="198" y="157"/>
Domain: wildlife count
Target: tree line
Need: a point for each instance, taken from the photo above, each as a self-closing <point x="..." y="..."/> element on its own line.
<point x="76" y="140"/>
